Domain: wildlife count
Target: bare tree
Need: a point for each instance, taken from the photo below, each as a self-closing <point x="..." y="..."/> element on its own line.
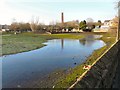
<point x="34" y="24"/>
<point x="52" y="23"/>
<point x="89" y="20"/>
<point x="14" y="26"/>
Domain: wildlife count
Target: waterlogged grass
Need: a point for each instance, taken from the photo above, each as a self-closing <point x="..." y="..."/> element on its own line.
<point x="29" y="41"/>
<point x="12" y="44"/>
<point x="68" y="79"/>
<point x="69" y="36"/>
<point x="76" y="72"/>
<point x="108" y="40"/>
<point x="20" y="43"/>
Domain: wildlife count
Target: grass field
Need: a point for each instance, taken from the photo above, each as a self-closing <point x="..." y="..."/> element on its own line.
<point x="12" y="44"/>
<point x="67" y="80"/>
<point x="29" y="41"/>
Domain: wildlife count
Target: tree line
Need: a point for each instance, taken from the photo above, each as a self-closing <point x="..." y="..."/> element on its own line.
<point x="35" y="26"/>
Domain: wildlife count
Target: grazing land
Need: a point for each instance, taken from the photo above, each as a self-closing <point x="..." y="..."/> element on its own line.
<point x="29" y="41"/>
<point x="12" y="44"/>
<point x="72" y="75"/>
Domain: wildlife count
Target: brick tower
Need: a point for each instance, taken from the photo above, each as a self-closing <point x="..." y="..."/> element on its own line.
<point x="62" y="17"/>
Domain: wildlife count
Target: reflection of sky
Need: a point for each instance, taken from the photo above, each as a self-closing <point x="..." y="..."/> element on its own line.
<point x="94" y="43"/>
<point x="18" y="67"/>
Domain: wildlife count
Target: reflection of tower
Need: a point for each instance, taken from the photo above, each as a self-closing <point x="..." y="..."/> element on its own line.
<point x="62" y="43"/>
<point x="62" y="17"/>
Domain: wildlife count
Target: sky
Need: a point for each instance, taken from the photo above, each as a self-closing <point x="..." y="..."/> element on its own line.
<point x="50" y="11"/>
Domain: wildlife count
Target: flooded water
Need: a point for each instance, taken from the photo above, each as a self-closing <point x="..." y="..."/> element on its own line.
<point x="19" y="70"/>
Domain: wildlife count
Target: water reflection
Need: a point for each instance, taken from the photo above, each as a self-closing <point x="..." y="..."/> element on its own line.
<point x="23" y="68"/>
<point x="89" y="40"/>
<point x="82" y="41"/>
<point x="62" y="43"/>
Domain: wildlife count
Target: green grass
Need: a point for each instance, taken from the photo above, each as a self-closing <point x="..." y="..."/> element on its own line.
<point x="68" y="79"/>
<point x="12" y="44"/>
<point x="108" y="38"/>
<point x="20" y="43"/>
<point x="29" y="41"/>
<point x="69" y="36"/>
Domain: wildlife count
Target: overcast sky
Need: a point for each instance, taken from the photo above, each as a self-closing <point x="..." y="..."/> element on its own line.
<point x="24" y="10"/>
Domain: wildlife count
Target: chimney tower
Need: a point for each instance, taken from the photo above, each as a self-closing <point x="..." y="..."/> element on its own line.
<point x="62" y="17"/>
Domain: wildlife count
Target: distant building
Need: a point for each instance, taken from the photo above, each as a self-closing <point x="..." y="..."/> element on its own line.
<point x="111" y="23"/>
<point x="73" y="25"/>
<point x="107" y="23"/>
<point x="4" y="27"/>
<point x="104" y="28"/>
<point x="62" y="17"/>
<point x="114" y="22"/>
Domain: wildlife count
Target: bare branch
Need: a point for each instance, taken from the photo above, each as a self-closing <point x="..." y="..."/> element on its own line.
<point x="34" y="24"/>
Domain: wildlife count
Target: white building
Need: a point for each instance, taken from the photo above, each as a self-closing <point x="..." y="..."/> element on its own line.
<point x="4" y="28"/>
<point x="107" y="23"/>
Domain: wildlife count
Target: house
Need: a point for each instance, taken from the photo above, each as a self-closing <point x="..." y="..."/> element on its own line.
<point x="104" y="28"/>
<point x="111" y="23"/>
<point x="4" y="28"/>
<point x="76" y="30"/>
<point x="107" y="23"/>
<point x="114" y="22"/>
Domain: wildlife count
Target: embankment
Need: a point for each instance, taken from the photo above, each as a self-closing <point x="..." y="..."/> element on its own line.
<point x="102" y="72"/>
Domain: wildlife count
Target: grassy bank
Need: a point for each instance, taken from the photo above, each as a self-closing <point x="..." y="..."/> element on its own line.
<point x="29" y="41"/>
<point x="12" y="44"/>
<point x="67" y="80"/>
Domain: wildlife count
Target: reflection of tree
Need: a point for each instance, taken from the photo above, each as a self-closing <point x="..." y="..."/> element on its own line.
<point x="82" y="41"/>
<point x="62" y="43"/>
<point x="90" y="37"/>
<point x="88" y="41"/>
